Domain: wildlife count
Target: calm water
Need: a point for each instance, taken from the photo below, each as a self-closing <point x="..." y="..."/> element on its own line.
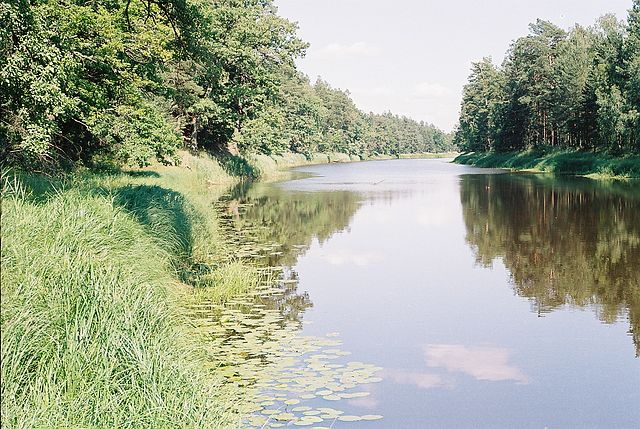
<point x="491" y="300"/>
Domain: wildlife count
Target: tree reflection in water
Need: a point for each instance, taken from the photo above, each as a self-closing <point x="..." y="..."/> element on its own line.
<point x="275" y="227"/>
<point x="564" y="240"/>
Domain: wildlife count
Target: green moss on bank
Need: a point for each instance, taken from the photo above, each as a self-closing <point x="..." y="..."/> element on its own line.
<point x="95" y="272"/>
<point x="596" y="165"/>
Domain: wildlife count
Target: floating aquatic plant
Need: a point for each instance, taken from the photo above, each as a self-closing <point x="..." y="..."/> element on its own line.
<point x="255" y="342"/>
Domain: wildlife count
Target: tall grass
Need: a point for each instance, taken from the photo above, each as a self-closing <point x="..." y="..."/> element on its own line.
<point x="93" y="332"/>
<point x="230" y="280"/>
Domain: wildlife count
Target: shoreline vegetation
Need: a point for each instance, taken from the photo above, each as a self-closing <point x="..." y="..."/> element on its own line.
<point x="571" y="95"/>
<point x="569" y="162"/>
<point x="270" y="167"/>
<point x="98" y="270"/>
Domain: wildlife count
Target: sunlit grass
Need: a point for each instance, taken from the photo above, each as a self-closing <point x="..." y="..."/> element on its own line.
<point x="596" y="165"/>
<point x="230" y="280"/>
<point x="95" y="271"/>
<point x="91" y="332"/>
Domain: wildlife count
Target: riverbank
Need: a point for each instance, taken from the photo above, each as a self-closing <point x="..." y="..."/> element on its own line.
<point x="595" y="165"/>
<point x="97" y="272"/>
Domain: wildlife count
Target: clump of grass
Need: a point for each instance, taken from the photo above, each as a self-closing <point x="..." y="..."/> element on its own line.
<point x="338" y="157"/>
<point x="207" y="170"/>
<point x="319" y="158"/>
<point x="92" y="334"/>
<point x="175" y="204"/>
<point x="230" y="280"/>
<point x="263" y="165"/>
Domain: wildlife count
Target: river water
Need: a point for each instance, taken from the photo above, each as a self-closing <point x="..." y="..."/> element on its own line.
<point x="489" y="299"/>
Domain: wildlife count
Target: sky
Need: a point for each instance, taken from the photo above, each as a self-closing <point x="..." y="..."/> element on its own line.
<point x="413" y="57"/>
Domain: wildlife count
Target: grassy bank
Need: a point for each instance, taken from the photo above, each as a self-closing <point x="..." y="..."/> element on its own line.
<point x="96" y="270"/>
<point x="274" y="167"/>
<point x="596" y="165"/>
<point x="429" y="155"/>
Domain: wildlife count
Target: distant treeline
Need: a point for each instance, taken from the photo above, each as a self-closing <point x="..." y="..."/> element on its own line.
<point x="123" y="81"/>
<point x="576" y="89"/>
<point x="310" y="118"/>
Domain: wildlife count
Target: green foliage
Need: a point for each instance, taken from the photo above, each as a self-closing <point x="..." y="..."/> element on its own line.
<point x="558" y="161"/>
<point x="480" y="108"/>
<point x="120" y="82"/>
<point x="572" y="90"/>
<point x="76" y="81"/>
<point x="316" y="118"/>
<point x="136" y="134"/>
<point x="389" y="134"/>
<point x="124" y="80"/>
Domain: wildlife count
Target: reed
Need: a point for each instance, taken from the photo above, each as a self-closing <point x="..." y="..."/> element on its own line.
<point x="96" y="270"/>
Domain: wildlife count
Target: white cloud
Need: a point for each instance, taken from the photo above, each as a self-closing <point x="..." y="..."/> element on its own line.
<point x="367" y="402"/>
<point x="482" y="363"/>
<point x="337" y="51"/>
<point x="431" y="90"/>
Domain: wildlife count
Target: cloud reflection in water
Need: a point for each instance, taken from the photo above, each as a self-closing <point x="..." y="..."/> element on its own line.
<point x="482" y="363"/>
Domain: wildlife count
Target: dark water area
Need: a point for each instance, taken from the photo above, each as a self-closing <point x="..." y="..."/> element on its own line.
<point x="490" y="299"/>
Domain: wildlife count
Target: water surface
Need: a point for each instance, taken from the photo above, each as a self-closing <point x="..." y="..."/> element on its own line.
<point x="491" y="300"/>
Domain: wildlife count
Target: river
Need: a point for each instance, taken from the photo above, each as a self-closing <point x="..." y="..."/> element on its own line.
<point x="483" y="299"/>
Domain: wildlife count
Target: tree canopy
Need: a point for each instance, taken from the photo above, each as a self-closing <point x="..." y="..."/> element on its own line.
<point x="576" y="89"/>
<point x="123" y="81"/>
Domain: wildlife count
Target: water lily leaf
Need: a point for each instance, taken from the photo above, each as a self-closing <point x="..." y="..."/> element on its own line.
<point x="349" y="418"/>
<point x="371" y="417"/>
<point x="331" y="397"/>
<point x="301" y="409"/>
<point x="285" y="416"/>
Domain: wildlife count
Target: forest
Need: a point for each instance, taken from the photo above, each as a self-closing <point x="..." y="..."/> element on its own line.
<point x="577" y="89"/>
<point x="121" y="82"/>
